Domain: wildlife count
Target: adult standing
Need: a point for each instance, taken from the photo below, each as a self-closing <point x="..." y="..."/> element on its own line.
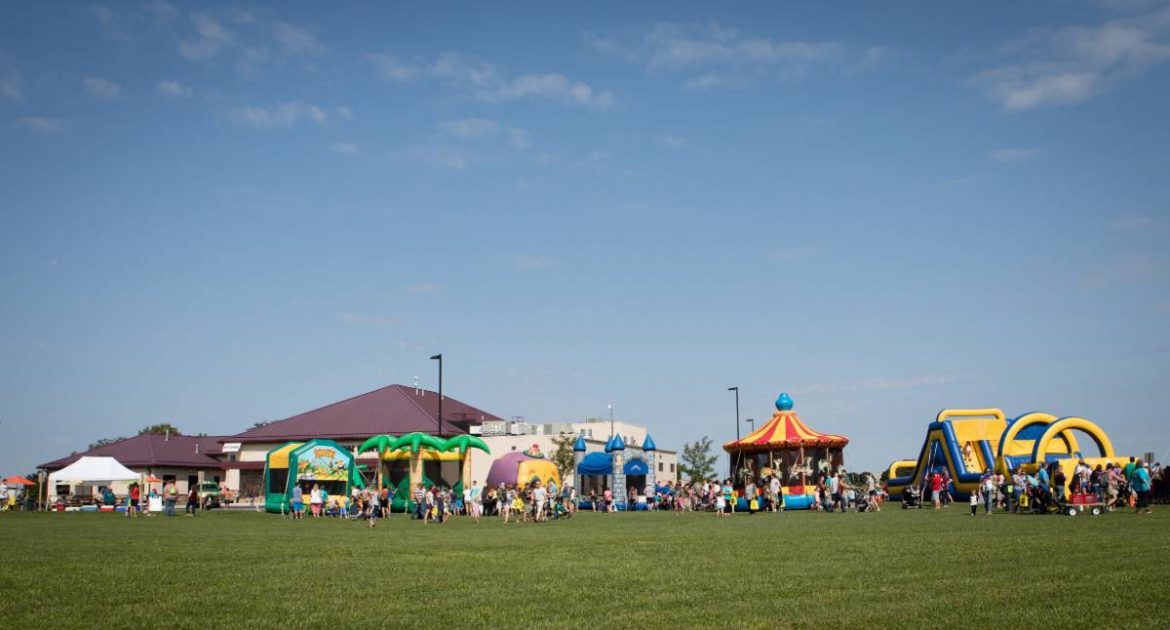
<point x="315" y="500"/>
<point x="298" y="502"/>
<point x="3" y="496"/>
<point x="170" y="498"/>
<point x="192" y="500"/>
<point x="1141" y="488"/>
<point x="135" y="498"/>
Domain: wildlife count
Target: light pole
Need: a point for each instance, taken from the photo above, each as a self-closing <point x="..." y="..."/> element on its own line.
<point x="733" y="464"/>
<point x="439" y="358"/>
<point x="752" y="422"/>
<point x="736" y="390"/>
<point x="610" y="407"/>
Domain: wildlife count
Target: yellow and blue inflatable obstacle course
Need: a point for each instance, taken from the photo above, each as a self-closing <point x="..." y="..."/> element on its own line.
<point x="968" y="442"/>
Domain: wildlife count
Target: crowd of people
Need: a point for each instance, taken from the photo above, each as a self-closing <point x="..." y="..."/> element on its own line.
<point x="831" y="492"/>
<point x="536" y="502"/>
<point x="1109" y="486"/>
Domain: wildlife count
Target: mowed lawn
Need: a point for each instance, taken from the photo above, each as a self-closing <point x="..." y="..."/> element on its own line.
<point x="897" y="568"/>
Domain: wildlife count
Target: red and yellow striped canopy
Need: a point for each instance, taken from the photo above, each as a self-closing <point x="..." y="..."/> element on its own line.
<point x="785" y="430"/>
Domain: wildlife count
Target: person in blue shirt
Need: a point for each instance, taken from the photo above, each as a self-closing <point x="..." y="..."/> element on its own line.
<point x="1141" y="484"/>
<point x="1042" y="477"/>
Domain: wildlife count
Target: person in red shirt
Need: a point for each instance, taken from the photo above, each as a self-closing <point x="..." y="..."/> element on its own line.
<point x="936" y="484"/>
<point x="135" y="495"/>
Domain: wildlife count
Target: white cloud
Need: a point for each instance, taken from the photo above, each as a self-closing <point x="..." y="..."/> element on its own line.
<point x="366" y="319"/>
<point x="877" y="383"/>
<point x="345" y="148"/>
<point x="525" y="262"/>
<point x="1131" y="222"/>
<point x="673" y="142"/>
<point x="486" y="82"/>
<point x="436" y="157"/>
<point x="715" y="81"/>
<point x="345" y="113"/>
<point x="162" y="11"/>
<point x="1073" y="64"/>
<point x="726" y="58"/>
<point x="1013" y="154"/>
<point x="11" y="84"/>
<point x="296" y="40"/>
<point x="42" y="124"/>
<point x="174" y="88"/>
<point x="210" y="37"/>
<point x="101" y="88"/>
<point x="424" y="288"/>
<point x="279" y="116"/>
<point x="518" y="138"/>
<point x="469" y="127"/>
<point x="671" y="45"/>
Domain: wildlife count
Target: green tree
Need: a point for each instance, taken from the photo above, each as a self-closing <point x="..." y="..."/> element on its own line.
<point x="562" y="456"/>
<point x="697" y="460"/>
<point x="160" y="429"/>
<point x="103" y="442"/>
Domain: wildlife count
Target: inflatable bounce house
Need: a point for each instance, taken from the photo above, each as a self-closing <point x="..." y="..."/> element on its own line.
<point x="967" y="442"/>
<point x="522" y="468"/>
<point x="323" y="463"/>
<point x="615" y="470"/>
<point x="786" y="447"/>
<point x="413" y="458"/>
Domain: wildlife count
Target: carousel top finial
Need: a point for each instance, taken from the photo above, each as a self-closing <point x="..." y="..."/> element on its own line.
<point x="784" y="402"/>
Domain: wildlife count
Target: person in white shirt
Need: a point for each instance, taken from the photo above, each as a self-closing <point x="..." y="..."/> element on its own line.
<point x="475" y="506"/>
<point x="539" y="497"/>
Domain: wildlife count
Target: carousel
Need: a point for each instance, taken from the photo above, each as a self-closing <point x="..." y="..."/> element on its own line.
<point x="789" y="449"/>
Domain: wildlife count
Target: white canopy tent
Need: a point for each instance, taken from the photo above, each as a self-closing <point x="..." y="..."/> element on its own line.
<point x="93" y="470"/>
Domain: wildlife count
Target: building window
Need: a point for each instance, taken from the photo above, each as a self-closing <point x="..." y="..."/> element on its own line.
<point x="672" y="468"/>
<point x="659" y="466"/>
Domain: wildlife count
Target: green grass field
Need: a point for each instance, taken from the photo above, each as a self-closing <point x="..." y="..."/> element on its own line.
<point x="897" y="568"/>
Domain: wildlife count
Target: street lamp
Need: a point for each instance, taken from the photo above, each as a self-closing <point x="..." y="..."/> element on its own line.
<point x="439" y="358"/>
<point x="752" y="422"/>
<point x="740" y="450"/>
<point x="736" y="390"/>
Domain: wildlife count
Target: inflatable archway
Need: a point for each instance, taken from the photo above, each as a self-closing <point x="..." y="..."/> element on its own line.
<point x="1063" y="428"/>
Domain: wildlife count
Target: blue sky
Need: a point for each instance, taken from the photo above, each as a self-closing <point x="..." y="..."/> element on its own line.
<point x="217" y="214"/>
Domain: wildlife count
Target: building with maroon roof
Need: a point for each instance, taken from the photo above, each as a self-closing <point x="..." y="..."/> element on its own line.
<point x="184" y="459"/>
<point x="391" y="410"/>
<point x="237" y="461"/>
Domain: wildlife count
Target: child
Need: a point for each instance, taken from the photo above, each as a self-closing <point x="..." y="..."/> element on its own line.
<point x="518" y="507"/>
<point x="974" y="501"/>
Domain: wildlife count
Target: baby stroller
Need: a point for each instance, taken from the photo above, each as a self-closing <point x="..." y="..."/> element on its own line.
<point x="911" y="499"/>
<point x="1039" y="501"/>
<point x="558" y="509"/>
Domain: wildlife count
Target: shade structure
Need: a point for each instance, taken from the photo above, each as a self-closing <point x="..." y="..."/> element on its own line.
<point x="785" y="430"/>
<point x="17" y="480"/>
<point x="93" y="470"/>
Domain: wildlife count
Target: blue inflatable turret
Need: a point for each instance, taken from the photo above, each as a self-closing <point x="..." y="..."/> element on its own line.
<point x="618" y="443"/>
<point x="648" y="449"/>
<point x="784" y="402"/>
<point x="648" y="444"/>
<point x="578" y="457"/>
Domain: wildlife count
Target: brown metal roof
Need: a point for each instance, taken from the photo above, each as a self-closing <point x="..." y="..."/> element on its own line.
<point x="392" y="410"/>
<point x="154" y="451"/>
